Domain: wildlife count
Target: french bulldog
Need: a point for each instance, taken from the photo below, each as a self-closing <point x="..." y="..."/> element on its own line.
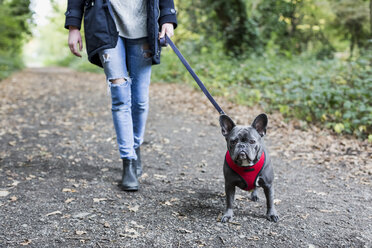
<point x="247" y="163"/>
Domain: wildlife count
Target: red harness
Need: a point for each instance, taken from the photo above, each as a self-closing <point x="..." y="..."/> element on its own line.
<point x="249" y="174"/>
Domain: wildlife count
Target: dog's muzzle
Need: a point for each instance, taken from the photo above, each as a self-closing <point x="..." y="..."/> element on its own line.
<point x="244" y="159"/>
<point x="242" y="156"/>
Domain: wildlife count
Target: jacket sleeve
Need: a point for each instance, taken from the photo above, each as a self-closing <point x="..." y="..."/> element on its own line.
<point x="167" y="12"/>
<point x="74" y="13"/>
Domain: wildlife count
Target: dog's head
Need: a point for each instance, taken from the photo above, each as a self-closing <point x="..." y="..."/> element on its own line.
<point x="244" y="143"/>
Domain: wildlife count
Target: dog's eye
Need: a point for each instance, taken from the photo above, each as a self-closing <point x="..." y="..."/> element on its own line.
<point x="252" y="142"/>
<point x="233" y="142"/>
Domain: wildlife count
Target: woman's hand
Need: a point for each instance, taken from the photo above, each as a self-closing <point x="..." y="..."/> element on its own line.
<point x="74" y="38"/>
<point x="166" y="28"/>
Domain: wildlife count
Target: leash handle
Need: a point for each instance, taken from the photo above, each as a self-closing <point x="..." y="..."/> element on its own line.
<point x="164" y="42"/>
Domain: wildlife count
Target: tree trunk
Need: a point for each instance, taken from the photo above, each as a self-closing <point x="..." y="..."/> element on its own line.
<point x="232" y="17"/>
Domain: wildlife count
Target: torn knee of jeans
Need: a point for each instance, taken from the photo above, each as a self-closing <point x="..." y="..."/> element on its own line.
<point x="118" y="80"/>
<point x="125" y="81"/>
<point x="106" y="57"/>
<point x="146" y="51"/>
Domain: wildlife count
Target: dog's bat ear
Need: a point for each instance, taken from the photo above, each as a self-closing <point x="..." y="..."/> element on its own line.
<point x="260" y="124"/>
<point x="226" y="124"/>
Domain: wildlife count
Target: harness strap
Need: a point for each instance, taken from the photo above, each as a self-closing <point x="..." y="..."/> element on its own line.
<point x="248" y="174"/>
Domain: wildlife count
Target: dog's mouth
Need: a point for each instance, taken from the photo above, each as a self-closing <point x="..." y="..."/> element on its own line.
<point x="244" y="160"/>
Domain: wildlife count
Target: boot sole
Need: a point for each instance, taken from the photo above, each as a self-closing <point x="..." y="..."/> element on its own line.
<point x="129" y="188"/>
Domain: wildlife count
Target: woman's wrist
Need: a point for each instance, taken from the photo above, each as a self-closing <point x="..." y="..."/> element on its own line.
<point x="72" y="28"/>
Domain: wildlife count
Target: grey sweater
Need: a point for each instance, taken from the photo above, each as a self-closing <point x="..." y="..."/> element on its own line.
<point x="130" y="18"/>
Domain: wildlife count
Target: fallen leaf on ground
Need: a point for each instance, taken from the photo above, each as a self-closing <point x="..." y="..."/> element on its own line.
<point x="234" y="223"/>
<point x="30" y="177"/>
<point x="80" y="232"/>
<point x="130" y="233"/>
<point x="26" y="242"/>
<point x="133" y="223"/>
<point x="239" y="197"/>
<point x="13" y="198"/>
<point x="254" y="238"/>
<point x="277" y="201"/>
<point x="4" y="193"/>
<point x="325" y="211"/>
<point x="219" y="217"/>
<point x="167" y="203"/>
<point x="69" y="200"/>
<point x="15" y="183"/>
<point x="304" y="216"/>
<point x="81" y="215"/>
<point x="183" y="230"/>
<point x="54" y="213"/>
<point x="134" y="208"/>
<point x="12" y="143"/>
<point x="99" y="199"/>
<point x="157" y="176"/>
<point x="68" y="190"/>
<point x="106" y="224"/>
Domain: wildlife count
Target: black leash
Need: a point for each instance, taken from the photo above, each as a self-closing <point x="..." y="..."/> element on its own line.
<point x="164" y="42"/>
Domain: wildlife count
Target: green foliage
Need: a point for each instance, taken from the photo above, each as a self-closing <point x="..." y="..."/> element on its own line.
<point x="293" y="26"/>
<point x="236" y="30"/>
<point x="352" y="17"/>
<point x="14" y="28"/>
<point x="332" y="92"/>
<point x="51" y="49"/>
<point x="285" y="57"/>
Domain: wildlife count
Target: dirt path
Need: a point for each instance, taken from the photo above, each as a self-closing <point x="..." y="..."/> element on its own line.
<point x="59" y="170"/>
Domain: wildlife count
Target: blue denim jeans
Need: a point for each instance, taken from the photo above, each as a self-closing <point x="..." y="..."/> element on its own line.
<point x="131" y="60"/>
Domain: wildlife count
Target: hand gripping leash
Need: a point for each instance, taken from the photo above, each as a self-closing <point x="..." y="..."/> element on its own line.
<point x="164" y="42"/>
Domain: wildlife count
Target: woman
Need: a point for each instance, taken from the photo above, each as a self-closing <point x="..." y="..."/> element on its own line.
<point x="122" y="37"/>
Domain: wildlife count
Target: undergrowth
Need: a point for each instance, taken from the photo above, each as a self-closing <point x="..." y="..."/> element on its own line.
<point x="335" y="93"/>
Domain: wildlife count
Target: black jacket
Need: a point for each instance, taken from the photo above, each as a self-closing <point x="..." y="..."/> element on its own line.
<point x="100" y="29"/>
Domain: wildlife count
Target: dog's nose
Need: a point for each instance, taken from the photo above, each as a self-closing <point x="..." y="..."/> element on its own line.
<point x="242" y="156"/>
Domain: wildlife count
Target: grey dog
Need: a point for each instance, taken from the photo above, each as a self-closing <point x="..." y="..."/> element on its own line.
<point x="247" y="163"/>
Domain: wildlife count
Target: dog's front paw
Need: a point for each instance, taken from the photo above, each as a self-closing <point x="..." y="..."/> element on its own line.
<point x="254" y="197"/>
<point x="272" y="216"/>
<point x="227" y="216"/>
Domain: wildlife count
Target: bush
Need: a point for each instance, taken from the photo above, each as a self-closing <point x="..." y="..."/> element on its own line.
<point x="14" y="28"/>
<point x="332" y="92"/>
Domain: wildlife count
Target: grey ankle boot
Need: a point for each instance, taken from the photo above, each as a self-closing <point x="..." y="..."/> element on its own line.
<point x="129" y="180"/>
<point x="138" y="162"/>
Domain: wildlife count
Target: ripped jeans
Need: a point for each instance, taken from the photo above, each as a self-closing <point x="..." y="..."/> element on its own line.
<point x="130" y="60"/>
